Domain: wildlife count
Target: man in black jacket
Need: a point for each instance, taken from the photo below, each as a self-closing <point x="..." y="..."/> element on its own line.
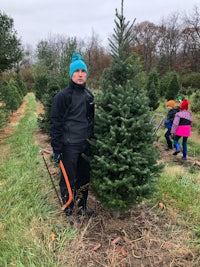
<point x="71" y="125"/>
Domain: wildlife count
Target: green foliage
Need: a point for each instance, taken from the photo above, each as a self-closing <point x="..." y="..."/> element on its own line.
<point x="65" y="60"/>
<point x="40" y="85"/>
<point x="195" y="103"/>
<point x="20" y="84"/>
<point x="185" y="91"/>
<point x="124" y="159"/>
<point x="122" y="71"/>
<point x="47" y="55"/>
<point x="53" y="60"/>
<point x="173" y="87"/>
<point x="163" y="65"/>
<point x="164" y="83"/>
<point x="44" y="118"/>
<point x="10" y="95"/>
<point x="14" y="99"/>
<point x="3" y="116"/>
<point x="121" y="40"/>
<point x="10" y="47"/>
<point x="191" y="80"/>
<point x="169" y="86"/>
<point x="152" y="88"/>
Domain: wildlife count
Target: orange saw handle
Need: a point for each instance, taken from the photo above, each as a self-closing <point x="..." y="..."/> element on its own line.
<point x="65" y="177"/>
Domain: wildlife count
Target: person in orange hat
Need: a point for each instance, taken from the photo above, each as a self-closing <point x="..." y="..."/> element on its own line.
<point x="181" y="127"/>
<point x="172" y="110"/>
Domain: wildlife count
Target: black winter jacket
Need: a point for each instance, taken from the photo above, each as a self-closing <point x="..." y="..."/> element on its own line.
<point x="72" y="116"/>
<point x="171" y="114"/>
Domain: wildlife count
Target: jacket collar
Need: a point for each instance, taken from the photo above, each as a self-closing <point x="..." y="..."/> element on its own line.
<point x="74" y="85"/>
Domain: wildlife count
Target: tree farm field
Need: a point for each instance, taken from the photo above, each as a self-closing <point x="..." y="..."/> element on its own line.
<point x="161" y="231"/>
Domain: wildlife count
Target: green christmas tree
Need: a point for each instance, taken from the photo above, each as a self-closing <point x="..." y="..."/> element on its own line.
<point x="173" y="87"/>
<point x="44" y="118"/>
<point x="152" y="88"/>
<point x="19" y="83"/>
<point x="10" y="95"/>
<point x="124" y="160"/>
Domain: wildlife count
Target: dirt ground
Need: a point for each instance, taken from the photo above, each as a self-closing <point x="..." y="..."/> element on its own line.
<point x="145" y="236"/>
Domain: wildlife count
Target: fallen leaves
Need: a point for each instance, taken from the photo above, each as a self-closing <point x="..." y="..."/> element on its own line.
<point x="96" y="247"/>
<point x="161" y="205"/>
<point x="115" y="241"/>
<point x="53" y="236"/>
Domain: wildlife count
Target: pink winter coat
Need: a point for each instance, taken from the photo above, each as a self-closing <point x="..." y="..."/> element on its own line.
<point x="182" y="123"/>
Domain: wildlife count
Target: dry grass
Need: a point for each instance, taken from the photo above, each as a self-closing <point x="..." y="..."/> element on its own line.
<point x="138" y="238"/>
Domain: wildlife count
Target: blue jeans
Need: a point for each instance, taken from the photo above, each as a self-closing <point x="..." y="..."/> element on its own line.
<point x="184" y="143"/>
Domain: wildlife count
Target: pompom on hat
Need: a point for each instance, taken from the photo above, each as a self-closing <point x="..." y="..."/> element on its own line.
<point x="77" y="64"/>
<point x="184" y="104"/>
<point x="171" y="103"/>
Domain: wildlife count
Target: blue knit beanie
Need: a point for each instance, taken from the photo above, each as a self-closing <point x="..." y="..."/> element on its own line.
<point x="77" y="64"/>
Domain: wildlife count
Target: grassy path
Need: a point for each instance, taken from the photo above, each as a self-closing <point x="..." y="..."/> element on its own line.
<point x="26" y="218"/>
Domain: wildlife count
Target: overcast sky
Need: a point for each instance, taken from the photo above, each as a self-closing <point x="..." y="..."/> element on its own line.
<point x="36" y="20"/>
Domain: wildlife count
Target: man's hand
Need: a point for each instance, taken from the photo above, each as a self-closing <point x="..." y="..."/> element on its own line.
<point x="56" y="157"/>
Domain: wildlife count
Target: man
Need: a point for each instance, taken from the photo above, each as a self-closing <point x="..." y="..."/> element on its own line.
<point x="71" y="125"/>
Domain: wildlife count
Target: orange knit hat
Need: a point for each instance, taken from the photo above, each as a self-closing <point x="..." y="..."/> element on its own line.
<point x="171" y="103"/>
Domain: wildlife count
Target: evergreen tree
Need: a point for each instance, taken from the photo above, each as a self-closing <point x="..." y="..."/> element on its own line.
<point x="124" y="159"/>
<point x="4" y="113"/>
<point x="164" y="83"/>
<point x="19" y="83"/>
<point x="40" y="85"/>
<point x="10" y="45"/>
<point x="163" y="65"/>
<point x="195" y="105"/>
<point x="10" y="95"/>
<point x="173" y="87"/>
<point x="44" y="118"/>
<point x="153" y="90"/>
<point x="3" y="116"/>
<point x="65" y="60"/>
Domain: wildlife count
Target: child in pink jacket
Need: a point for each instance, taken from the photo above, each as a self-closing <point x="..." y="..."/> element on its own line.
<point x="181" y="127"/>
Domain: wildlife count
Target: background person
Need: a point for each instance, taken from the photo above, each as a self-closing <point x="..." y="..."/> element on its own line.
<point x="172" y="110"/>
<point x="181" y="127"/>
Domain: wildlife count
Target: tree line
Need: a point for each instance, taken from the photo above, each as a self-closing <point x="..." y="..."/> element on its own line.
<point x="169" y="53"/>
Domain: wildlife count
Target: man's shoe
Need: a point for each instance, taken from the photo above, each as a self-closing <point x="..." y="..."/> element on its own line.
<point x="184" y="158"/>
<point x="68" y="211"/>
<point x="86" y="212"/>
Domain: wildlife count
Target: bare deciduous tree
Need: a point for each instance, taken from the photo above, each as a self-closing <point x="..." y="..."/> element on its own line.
<point x="191" y="38"/>
<point x="147" y="37"/>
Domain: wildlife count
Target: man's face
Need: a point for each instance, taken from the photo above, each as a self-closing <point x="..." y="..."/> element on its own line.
<point x="79" y="77"/>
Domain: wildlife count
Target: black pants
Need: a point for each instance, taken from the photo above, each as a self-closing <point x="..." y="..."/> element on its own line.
<point x="78" y="171"/>
<point x="168" y="139"/>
